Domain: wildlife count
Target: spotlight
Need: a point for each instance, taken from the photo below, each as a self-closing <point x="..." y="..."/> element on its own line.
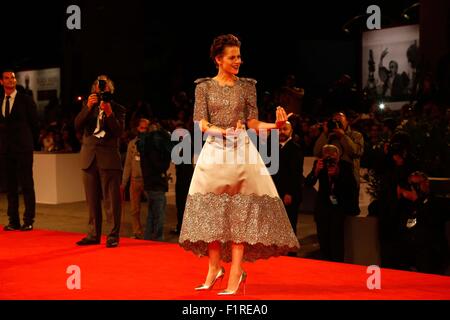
<point x="381" y="106"/>
<point x="405" y="14"/>
<point x="346" y="26"/>
<point x="79" y="98"/>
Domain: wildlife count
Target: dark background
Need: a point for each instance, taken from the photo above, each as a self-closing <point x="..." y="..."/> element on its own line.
<point x="152" y="50"/>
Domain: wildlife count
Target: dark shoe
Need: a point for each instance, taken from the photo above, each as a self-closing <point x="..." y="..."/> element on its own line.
<point x="112" y="243"/>
<point x="87" y="242"/>
<point x="137" y="237"/>
<point x="26" y="227"/>
<point x="11" y="227"/>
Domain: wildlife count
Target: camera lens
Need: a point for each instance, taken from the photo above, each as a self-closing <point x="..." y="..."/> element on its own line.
<point x="102" y="85"/>
<point x="106" y="96"/>
<point x="333" y="124"/>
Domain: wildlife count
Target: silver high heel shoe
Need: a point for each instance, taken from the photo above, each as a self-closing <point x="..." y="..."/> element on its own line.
<point x="219" y="275"/>
<point x="242" y="281"/>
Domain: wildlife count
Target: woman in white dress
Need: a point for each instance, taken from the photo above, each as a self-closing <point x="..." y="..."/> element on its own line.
<point x="233" y="211"/>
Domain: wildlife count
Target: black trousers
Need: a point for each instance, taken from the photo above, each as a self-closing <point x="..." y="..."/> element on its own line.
<point x="292" y="211"/>
<point x="330" y="233"/>
<point x="19" y="171"/>
<point x="102" y="184"/>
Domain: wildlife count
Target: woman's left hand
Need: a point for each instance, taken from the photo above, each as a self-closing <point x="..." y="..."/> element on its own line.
<point x="282" y="117"/>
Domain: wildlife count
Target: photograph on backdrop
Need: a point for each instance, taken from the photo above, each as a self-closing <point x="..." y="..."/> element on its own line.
<point x="389" y="64"/>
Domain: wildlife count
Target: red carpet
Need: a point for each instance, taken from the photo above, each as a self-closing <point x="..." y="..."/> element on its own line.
<point x="33" y="266"/>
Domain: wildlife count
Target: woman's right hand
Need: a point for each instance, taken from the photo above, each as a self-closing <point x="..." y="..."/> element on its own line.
<point x="234" y="131"/>
<point x="229" y="132"/>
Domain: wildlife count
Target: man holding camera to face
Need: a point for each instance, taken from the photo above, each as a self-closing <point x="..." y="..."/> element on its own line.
<point x="422" y="241"/>
<point x="102" y="122"/>
<point x="350" y="143"/>
<point x="337" y="198"/>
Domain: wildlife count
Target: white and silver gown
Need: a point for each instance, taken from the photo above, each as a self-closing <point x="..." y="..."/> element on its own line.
<point x="233" y="201"/>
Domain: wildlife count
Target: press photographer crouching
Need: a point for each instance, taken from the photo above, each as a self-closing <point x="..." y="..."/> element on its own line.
<point x="337" y="198"/>
<point x="424" y="245"/>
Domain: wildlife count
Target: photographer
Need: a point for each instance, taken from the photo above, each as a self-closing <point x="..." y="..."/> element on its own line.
<point x="388" y="206"/>
<point x="349" y="142"/>
<point x="422" y="232"/>
<point x="102" y="121"/>
<point x="337" y="197"/>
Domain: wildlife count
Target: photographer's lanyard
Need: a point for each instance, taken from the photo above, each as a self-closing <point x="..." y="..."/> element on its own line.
<point x="333" y="198"/>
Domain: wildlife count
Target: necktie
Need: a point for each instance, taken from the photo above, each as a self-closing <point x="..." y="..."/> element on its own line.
<point x="7" y="107"/>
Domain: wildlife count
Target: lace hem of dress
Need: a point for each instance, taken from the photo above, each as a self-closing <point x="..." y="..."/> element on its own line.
<point x="258" y="221"/>
<point x="252" y="252"/>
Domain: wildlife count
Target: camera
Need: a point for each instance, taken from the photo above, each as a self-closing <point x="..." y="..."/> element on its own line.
<point x="416" y="187"/>
<point x="104" y="96"/>
<point x="329" y="162"/>
<point x="334" y="124"/>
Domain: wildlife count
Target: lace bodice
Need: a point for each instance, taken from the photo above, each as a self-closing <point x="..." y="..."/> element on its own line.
<point x="223" y="106"/>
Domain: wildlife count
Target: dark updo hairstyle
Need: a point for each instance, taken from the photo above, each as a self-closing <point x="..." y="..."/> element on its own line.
<point x="220" y="43"/>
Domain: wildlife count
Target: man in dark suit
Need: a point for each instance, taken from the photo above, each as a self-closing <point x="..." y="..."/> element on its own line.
<point x="18" y="132"/>
<point x="102" y="122"/>
<point x="288" y="179"/>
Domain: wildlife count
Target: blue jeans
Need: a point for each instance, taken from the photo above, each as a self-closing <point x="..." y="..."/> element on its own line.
<point x="156" y="215"/>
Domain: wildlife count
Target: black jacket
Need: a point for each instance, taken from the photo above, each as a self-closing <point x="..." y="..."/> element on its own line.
<point x="155" y="150"/>
<point x="106" y="149"/>
<point x="289" y="178"/>
<point x="20" y="131"/>
<point x="345" y="190"/>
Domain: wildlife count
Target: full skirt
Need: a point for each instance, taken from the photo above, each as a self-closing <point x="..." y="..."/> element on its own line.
<point x="232" y="199"/>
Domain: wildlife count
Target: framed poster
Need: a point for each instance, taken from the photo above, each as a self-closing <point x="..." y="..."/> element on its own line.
<point x="43" y="85"/>
<point x="389" y="62"/>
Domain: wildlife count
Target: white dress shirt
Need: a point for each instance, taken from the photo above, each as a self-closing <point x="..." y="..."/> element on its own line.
<point x="99" y="133"/>
<point x="12" y="97"/>
<point x="284" y="143"/>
